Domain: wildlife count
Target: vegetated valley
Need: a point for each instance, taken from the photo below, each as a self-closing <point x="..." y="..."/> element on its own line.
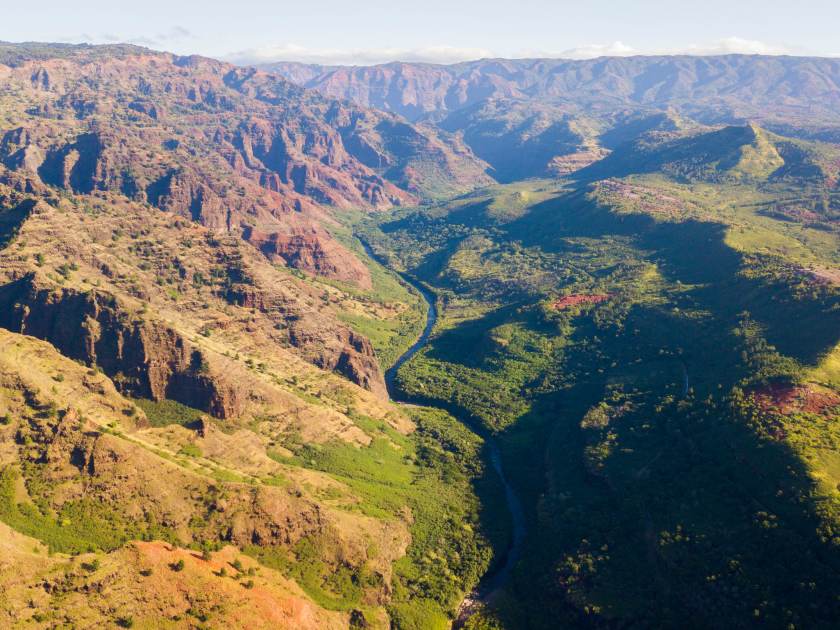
<point x="624" y="414"/>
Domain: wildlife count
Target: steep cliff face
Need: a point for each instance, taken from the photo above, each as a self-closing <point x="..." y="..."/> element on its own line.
<point x="241" y="153"/>
<point x="145" y="359"/>
<point x="310" y="249"/>
<point x="329" y="347"/>
<point x="349" y="354"/>
<point x="132" y="292"/>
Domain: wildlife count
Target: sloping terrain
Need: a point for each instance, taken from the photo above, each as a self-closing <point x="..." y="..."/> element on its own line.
<point x="285" y="478"/>
<point x="520" y="140"/>
<point x="139" y="586"/>
<point x="196" y="430"/>
<point x="240" y="151"/>
<point x="655" y="354"/>
<point x="548" y="117"/>
<point x="160" y="301"/>
<point x="729" y="154"/>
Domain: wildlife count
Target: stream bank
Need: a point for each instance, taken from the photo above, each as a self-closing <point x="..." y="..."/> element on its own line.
<point x="495" y="579"/>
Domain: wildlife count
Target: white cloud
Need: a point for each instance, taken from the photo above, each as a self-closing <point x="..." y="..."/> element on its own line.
<point x="737" y="45"/>
<point x="454" y="54"/>
<point x="590" y="51"/>
<point x="357" y="56"/>
<point x="726" y="46"/>
<point x="182" y="39"/>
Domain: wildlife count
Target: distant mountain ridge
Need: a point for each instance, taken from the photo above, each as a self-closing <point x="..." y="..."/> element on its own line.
<point x="550" y="117"/>
<point x="712" y="88"/>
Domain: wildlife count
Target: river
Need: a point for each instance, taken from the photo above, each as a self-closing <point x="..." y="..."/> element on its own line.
<point x="497" y="578"/>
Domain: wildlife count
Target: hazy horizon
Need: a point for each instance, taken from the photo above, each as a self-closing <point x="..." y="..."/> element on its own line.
<point x="373" y="32"/>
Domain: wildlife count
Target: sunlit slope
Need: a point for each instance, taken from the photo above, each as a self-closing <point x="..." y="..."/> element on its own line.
<point x="655" y="353"/>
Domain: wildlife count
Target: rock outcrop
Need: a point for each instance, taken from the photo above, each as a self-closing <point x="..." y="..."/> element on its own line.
<point x="147" y="360"/>
<point x="310" y="249"/>
<point x="187" y="274"/>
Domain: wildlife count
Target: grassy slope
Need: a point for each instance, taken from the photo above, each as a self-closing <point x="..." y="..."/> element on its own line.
<point x="390" y="314"/>
<point x="421" y="481"/>
<point x="143" y="586"/>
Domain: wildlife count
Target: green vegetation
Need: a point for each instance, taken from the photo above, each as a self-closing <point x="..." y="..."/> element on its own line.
<point x="631" y="424"/>
<point x="731" y="154"/>
<point x="433" y="473"/>
<point x="165" y="412"/>
<point x="390" y="314"/>
<point x="190" y="450"/>
<point x="79" y="526"/>
<point x="390" y="337"/>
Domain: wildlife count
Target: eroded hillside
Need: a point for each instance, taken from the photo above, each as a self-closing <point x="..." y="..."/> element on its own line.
<point x="194" y="427"/>
<point x="238" y="150"/>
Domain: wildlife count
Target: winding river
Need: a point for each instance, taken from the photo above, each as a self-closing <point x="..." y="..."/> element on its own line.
<point x="498" y="576"/>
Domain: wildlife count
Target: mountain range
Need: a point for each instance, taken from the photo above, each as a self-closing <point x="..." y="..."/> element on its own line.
<point x="709" y="88"/>
<point x="608" y="291"/>
<point x="536" y="117"/>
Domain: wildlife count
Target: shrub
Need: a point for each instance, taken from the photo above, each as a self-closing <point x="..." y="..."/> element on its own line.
<point x="91" y="566"/>
<point x="190" y="450"/>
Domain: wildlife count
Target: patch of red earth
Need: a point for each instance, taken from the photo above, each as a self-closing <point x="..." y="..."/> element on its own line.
<point x="824" y="275"/>
<point x="579" y="298"/>
<point x="643" y="198"/>
<point x="566" y="164"/>
<point x="785" y="398"/>
<point x="270" y="601"/>
<point x="798" y="213"/>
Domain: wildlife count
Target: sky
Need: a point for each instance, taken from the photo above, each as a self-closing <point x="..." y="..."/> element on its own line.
<point x="441" y="31"/>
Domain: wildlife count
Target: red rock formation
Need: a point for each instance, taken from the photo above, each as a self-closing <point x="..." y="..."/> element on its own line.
<point x="234" y="149"/>
<point x="312" y="250"/>
<point x="574" y="300"/>
<point x="148" y="360"/>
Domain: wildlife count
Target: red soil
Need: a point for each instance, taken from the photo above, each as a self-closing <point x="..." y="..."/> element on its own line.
<point x="824" y="275"/>
<point x="784" y="398"/>
<point x="574" y="300"/>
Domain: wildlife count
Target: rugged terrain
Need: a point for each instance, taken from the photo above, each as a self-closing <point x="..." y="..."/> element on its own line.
<point x="549" y="117"/>
<point x="203" y="279"/>
<point x="653" y="343"/>
<point x="191" y="389"/>
<point x="710" y="88"/>
<point x="238" y="150"/>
